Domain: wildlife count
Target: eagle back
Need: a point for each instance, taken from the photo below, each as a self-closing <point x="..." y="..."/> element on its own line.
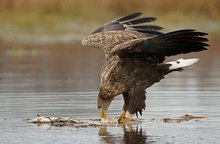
<point x="108" y="40"/>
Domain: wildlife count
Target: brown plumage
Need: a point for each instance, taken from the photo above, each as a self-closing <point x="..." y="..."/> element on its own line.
<point x="134" y="55"/>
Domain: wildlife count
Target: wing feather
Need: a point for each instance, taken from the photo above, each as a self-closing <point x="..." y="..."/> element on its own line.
<point x="173" y="43"/>
<point x="139" y="20"/>
<point x="128" y="17"/>
<point x="130" y="22"/>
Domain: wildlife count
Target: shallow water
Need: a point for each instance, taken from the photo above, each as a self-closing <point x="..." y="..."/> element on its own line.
<point x="62" y="80"/>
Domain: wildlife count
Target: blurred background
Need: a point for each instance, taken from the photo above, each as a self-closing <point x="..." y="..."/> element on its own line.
<point x="40" y="40"/>
<point x="71" y="19"/>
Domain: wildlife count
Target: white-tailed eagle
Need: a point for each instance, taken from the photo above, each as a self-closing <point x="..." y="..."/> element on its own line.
<point x="134" y="58"/>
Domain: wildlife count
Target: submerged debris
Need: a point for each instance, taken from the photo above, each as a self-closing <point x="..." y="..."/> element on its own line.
<point x="113" y="121"/>
<point x="184" y="118"/>
<point x="68" y="121"/>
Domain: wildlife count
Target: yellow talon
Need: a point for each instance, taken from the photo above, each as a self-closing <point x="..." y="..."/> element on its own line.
<point x="130" y="117"/>
<point x="124" y="119"/>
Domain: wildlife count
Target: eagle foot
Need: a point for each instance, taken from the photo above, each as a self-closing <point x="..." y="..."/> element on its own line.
<point x="123" y="118"/>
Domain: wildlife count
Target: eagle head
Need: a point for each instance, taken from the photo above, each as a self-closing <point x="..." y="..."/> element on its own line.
<point x="103" y="101"/>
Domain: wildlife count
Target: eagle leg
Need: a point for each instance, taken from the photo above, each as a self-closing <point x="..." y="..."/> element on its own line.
<point x="122" y="117"/>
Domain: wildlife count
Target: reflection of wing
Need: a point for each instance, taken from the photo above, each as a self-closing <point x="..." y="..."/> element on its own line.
<point x="173" y="43"/>
<point x="136" y="136"/>
<point x="131" y="22"/>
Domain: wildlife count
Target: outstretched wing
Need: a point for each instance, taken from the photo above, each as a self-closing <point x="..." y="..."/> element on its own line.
<point x="132" y="22"/>
<point x="173" y="43"/>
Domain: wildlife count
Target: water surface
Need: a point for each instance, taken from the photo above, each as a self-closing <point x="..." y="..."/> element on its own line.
<point x="63" y="79"/>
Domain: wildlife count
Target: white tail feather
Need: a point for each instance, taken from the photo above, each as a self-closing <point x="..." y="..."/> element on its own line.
<point x="180" y="63"/>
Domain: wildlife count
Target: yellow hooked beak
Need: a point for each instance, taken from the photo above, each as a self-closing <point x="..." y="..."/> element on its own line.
<point x="102" y="113"/>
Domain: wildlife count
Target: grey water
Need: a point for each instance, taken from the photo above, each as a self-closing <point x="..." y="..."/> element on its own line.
<point x="63" y="80"/>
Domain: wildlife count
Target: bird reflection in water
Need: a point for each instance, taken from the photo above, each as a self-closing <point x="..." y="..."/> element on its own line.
<point x="131" y="135"/>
